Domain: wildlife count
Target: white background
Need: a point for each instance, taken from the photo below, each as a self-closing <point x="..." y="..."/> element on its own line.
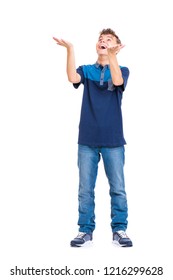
<point x="39" y="115"/>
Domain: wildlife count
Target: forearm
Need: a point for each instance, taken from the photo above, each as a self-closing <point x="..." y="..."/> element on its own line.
<point x="116" y="74"/>
<point x="72" y="75"/>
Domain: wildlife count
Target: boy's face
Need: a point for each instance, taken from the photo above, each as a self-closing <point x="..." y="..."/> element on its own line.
<point x="104" y="42"/>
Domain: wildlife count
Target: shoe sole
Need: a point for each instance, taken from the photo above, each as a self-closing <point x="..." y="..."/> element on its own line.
<point x="86" y="244"/>
<point x="122" y="245"/>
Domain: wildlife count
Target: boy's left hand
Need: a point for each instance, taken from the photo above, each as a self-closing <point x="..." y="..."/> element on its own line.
<point x="115" y="49"/>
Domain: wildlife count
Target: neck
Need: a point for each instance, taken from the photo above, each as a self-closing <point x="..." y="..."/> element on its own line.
<point x="103" y="60"/>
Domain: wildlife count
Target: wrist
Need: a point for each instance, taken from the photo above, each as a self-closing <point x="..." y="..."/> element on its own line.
<point x="70" y="48"/>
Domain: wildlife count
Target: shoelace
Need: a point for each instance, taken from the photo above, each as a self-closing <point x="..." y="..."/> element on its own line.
<point x="80" y="234"/>
<point x="122" y="234"/>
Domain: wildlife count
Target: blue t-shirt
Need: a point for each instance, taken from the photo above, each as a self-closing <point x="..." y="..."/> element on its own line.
<point x="101" y="123"/>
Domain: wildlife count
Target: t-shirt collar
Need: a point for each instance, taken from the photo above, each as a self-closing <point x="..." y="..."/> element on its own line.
<point x="98" y="65"/>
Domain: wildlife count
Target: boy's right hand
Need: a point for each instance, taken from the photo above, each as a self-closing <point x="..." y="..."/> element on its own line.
<point x="63" y="43"/>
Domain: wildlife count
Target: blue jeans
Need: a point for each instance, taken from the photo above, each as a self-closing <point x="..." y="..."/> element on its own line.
<point x="113" y="159"/>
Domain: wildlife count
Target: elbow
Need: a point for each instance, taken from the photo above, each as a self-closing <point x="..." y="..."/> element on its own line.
<point x="71" y="80"/>
<point x="74" y="79"/>
<point x="118" y="82"/>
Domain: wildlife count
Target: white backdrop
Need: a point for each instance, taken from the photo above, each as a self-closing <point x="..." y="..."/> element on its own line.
<point x="39" y="116"/>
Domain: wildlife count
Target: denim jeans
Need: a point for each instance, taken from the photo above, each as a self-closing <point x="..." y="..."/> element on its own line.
<point x="113" y="159"/>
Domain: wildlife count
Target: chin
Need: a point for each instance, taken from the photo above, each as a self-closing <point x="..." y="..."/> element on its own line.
<point x="102" y="52"/>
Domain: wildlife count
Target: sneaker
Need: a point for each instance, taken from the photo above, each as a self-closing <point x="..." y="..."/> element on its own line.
<point x="120" y="238"/>
<point x="82" y="239"/>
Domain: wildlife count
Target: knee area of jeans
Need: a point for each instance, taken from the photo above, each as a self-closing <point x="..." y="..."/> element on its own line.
<point x="118" y="192"/>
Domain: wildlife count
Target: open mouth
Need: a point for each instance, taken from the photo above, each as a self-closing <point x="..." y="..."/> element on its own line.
<point x="103" y="47"/>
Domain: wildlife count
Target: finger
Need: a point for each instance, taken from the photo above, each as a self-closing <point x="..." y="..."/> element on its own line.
<point x="55" y="39"/>
<point x="122" y="46"/>
<point x="59" y="41"/>
<point x="64" y="42"/>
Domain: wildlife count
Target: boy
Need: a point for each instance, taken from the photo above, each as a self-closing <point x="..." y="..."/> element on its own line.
<point x="100" y="134"/>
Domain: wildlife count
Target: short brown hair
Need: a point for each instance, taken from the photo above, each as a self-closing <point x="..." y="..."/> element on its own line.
<point x="112" y="32"/>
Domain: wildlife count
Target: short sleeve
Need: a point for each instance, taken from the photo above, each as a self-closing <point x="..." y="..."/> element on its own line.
<point x="125" y="73"/>
<point x="81" y="73"/>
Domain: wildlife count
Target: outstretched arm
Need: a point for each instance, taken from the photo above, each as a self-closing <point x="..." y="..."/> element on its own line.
<point x="72" y="75"/>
